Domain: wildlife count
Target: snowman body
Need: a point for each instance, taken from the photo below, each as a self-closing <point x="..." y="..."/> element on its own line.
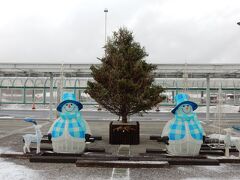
<point x="185" y="133"/>
<point x="68" y="131"/>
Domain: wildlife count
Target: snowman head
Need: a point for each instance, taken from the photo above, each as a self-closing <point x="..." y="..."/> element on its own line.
<point x="183" y="105"/>
<point x="185" y="109"/>
<point x="69" y="108"/>
<point x="69" y="104"/>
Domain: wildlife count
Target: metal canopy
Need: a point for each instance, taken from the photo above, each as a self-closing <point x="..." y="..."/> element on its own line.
<point x="198" y="70"/>
<point x="83" y="70"/>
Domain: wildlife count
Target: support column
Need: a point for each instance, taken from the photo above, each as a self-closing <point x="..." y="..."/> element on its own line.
<point x="33" y="99"/>
<point x="0" y="97"/>
<point x="173" y="95"/>
<point x="33" y="96"/>
<point x="208" y="98"/>
<point x="202" y="97"/>
<point x="24" y="94"/>
<point x="51" y="98"/>
<point x="79" y="95"/>
<point x="234" y="97"/>
<point x="44" y="95"/>
<point x="59" y="92"/>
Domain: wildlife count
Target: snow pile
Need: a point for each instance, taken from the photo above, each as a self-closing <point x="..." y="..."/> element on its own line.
<point x="217" y="136"/>
<point x="4" y="149"/>
<point x="226" y="108"/>
<point x="10" y="170"/>
<point x="23" y="107"/>
<point x="234" y="141"/>
<point x="222" y="136"/>
<point x="42" y="107"/>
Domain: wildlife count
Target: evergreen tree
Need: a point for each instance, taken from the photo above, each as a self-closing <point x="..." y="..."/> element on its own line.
<point x="124" y="81"/>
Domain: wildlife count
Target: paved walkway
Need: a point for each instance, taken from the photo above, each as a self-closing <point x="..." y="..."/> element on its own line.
<point x="11" y="132"/>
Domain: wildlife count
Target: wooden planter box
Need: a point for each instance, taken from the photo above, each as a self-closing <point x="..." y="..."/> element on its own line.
<point x="124" y="133"/>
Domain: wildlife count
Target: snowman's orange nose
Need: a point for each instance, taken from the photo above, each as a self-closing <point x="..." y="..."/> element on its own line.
<point x="69" y="105"/>
<point x="187" y="107"/>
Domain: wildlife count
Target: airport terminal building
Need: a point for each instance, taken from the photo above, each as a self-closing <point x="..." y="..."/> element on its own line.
<point x="43" y="83"/>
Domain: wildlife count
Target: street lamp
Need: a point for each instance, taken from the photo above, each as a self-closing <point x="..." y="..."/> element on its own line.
<point x="238" y="23"/>
<point x="105" y="42"/>
<point x="105" y="11"/>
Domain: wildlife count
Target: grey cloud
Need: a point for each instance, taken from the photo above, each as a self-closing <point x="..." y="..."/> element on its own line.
<point x="172" y="32"/>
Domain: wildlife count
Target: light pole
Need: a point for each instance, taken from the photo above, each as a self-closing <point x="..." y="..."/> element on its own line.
<point x="105" y="42"/>
<point x="105" y="11"/>
<point x="238" y="23"/>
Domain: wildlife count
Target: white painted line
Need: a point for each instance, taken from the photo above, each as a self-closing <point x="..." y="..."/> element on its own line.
<point x="121" y="173"/>
<point x="113" y="172"/>
<point x="128" y="173"/>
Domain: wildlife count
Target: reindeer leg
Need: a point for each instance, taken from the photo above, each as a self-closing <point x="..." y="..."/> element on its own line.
<point x="28" y="145"/>
<point x="38" y="147"/>
<point x="24" y="149"/>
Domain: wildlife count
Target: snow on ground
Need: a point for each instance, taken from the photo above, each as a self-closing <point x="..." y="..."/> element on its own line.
<point x="10" y="170"/>
<point x="40" y="107"/>
<point x="23" y="107"/>
<point x="217" y="136"/>
<point x="226" y="108"/>
<point x="234" y="136"/>
<point x="4" y="149"/>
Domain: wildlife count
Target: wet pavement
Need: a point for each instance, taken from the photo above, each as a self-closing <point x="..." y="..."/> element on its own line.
<point x="22" y="169"/>
<point x="11" y="132"/>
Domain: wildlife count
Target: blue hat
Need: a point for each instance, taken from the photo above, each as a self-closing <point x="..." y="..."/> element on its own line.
<point x="183" y="99"/>
<point x="69" y="98"/>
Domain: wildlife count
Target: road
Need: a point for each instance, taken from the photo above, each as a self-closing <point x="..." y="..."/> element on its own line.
<point x="103" y="115"/>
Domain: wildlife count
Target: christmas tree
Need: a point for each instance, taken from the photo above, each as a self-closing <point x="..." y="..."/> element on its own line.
<point x="124" y="81"/>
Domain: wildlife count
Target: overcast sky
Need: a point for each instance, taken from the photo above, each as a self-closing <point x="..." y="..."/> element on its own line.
<point x="72" y="31"/>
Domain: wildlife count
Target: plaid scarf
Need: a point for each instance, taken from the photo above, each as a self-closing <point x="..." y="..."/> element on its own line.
<point x="76" y="127"/>
<point x="178" y="129"/>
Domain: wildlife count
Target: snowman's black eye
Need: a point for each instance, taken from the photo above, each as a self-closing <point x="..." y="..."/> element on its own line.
<point x="71" y="104"/>
<point x="183" y="105"/>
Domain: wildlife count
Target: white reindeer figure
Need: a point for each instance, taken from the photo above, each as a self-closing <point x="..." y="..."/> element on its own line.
<point x="29" y="138"/>
<point x="231" y="141"/>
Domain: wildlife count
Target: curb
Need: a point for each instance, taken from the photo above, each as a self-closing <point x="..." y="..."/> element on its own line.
<point x="122" y="164"/>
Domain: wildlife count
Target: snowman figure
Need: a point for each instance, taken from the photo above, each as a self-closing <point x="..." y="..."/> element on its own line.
<point x="184" y="133"/>
<point x="69" y="131"/>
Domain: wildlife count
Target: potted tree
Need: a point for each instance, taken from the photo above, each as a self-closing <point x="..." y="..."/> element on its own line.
<point x="123" y="84"/>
